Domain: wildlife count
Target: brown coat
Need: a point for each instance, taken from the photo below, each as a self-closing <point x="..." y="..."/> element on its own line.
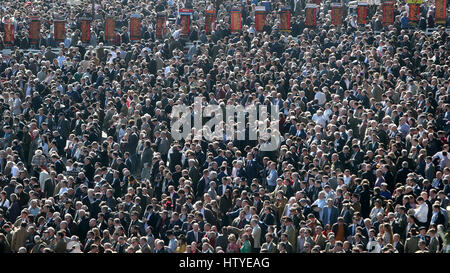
<point x="18" y="239"/>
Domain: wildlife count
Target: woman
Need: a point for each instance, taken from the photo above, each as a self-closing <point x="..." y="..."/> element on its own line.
<point x="245" y="245"/>
<point x="375" y="210"/>
<point x="225" y="205"/>
<point x="232" y="246"/>
<point x="44" y="144"/>
<point x="4" y="202"/>
<point x="181" y="244"/>
<point x="330" y="244"/>
<point x="106" y="237"/>
<point x="388" y="237"/>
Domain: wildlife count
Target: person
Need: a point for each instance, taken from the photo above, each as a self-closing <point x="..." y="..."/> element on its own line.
<point x="412" y="243"/>
<point x="18" y="238"/>
<point x="269" y="246"/>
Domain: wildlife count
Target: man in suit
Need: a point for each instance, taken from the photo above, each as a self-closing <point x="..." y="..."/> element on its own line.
<point x="269" y="246"/>
<point x="437" y="217"/>
<point x="145" y="248"/>
<point x="357" y="157"/>
<point x="423" y="235"/>
<point x="398" y="244"/>
<point x="291" y="232"/>
<point x="353" y="226"/>
<point x="434" y="245"/>
<point x="194" y="235"/>
<point x="135" y="222"/>
<point x="152" y="219"/>
<point x="256" y="234"/>
<point x="193" y="173"/>
<point x="251" y="167"/>
<point x="203" y="184"/>
<point x="330" y="213"/>
<point x="63" y="126"/>
<point x="320" y="239"/>
<point x="422" y="247"/>
<point x="401" y="223"/>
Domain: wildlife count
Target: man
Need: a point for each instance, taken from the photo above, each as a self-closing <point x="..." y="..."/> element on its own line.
<point x="19" y="237"/>
<point x="434" y="245"/>
<point x="412" y="243"/>
<point x="437" y="217"/>
<point x="194" y="235"/>
<point x="422" y="247"/>
<point x="330" y="213"/>
<point x="291" y="232"/>
<point x="145" y="248"/>
<point x="61" y="243"/>
<point x="256" y="234"/>
<point x="397" y="244"/>
<point x="272" y="177"/>
<point x="269" y="246"/>
<point x="421" y="212"/>
<point x="135" y="222"/>
<point x="320" y="239"/>
<point x="340" y="230"/>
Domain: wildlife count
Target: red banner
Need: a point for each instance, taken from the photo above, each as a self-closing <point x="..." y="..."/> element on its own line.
<point x="85" y="30"/>
<point x="160" y="26"/>
<point x="210" y="21"/>
<point x="440" y="12"/>
<point x="336" y="14"/>
<point x="135" y="27"/>
<point x="414" y="12"/>
<point x="285" y="19"/>
<point x="9" y="32"/>
<point x="185" y="20"/>
<point x="35" y="28"/>
<point x="388" y="13"/>
<point x="59" y="30"/>
<point x="110" y="28"/>
<point x="311" y="19"/>
<point x="236" y="23"/>
<point x="260" y="18"/>
<point x="362" y="13"/>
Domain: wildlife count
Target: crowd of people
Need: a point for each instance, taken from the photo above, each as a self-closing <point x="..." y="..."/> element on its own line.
<point x="88" y="162"/>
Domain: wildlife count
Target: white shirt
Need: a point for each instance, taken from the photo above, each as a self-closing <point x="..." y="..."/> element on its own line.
<point x="321" y="97"/>
<point x="421" y="212"/>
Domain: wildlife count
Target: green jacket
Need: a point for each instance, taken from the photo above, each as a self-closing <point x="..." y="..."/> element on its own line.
<point x="412" y="244"/>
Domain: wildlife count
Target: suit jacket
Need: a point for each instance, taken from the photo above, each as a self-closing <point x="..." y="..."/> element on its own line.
<point x="256" y="233"/>
<point x="358" y="159"/>
<point x="292" y="236"/>
<point x="400" y="247"/>
<point x="154" y="220"/>
<point x="191" y="237"/>
<point x="145" y="249"/>
<point x="321" y="241"/>
<point x="433" y="247"/>
<point x="139" y="224"/>
<point x="270" y="247"/>
<point x="333" y="218"/>
<point x="352" y="229"/>
<point x="194" y="174"/>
